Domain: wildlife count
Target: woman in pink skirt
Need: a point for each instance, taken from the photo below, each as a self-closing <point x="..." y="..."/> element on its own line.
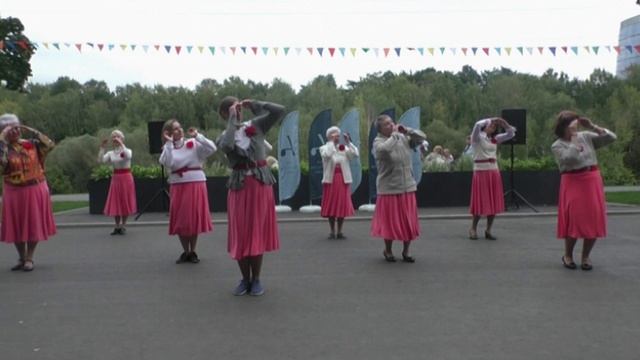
<point x="121" y="200"/>
<point x="336" y="180"/>
<point x="27" y="216"/>
<point x="396" y="214"/>
<point x="581" y="204"/>
<point x="487" y="197"/>
<point x="189" y="209"/>
<point x="250" y="203"/>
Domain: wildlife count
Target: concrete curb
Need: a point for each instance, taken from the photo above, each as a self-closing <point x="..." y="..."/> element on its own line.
<point x="355" y="218"/>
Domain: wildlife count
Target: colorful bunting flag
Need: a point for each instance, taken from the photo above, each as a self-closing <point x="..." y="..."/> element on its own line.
<point x="398" y="51"/>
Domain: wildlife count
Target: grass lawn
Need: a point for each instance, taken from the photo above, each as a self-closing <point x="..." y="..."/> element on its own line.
<point x="68" y="205"/>
<point x="631" y="197"/>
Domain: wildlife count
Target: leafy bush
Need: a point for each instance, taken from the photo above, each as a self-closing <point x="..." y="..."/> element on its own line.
<point x="59" y="182"/>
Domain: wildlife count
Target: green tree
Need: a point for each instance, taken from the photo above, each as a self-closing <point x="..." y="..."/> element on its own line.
<point x="15" y="52"/>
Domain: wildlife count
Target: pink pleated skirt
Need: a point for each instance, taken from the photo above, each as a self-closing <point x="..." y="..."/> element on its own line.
<point x="121" y="200"/>
<point x="396" y="217"/>
<point x="487" y="194"/>
<point x="253" y="228"/>
<point x="189" y="209"/>
<point x="336" y="197"/>
<point x="27" y="214"/>
<point x="582" y="211"/>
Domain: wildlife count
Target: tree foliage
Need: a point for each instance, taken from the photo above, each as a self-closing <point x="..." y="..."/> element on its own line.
<point x="78" y="115"/>
<point x="15" y="53"/>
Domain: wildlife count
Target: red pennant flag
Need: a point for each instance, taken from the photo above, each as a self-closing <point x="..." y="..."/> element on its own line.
<point x="310" y="50"/>
<point x="157" y="47"/>
<point x="464" y="51"/>
<point x="255" y="50"/>
<point x="540" y="49"/>
<point x="178" y="48"/>
<point x="617" y="49"/>
<point x="564" y="48"/>
<point x="22" y="44"/>
<point x="100" y="46"/>
<point x="1" y="44"/>
<point x="331" y="51"/>
<point x="79" y="47"/>
<point x="637" y="47"/>
<point x="386" y="51"/>
<point x="486" y="51"/>
<point x="233" y="50"/>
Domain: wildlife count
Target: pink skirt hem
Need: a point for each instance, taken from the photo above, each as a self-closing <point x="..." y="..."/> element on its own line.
<point x="27" y="213"/>
<point x="189" y="209"/>
<point x="582" y="211"/>
<point x="396" y="217"/>
<point x="253" y="228"/>
<point x="487" y="194"/>
<point x="121" y="200"/>
<point x="336" y="197"/>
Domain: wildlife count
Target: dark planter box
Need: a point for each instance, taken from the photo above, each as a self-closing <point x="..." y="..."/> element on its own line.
<point x="438" y="189"/>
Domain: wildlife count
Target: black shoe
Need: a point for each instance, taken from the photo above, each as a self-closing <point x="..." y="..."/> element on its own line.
<point x="488" y="236"/>
<point x="409" y="259"/>
<point x="586" y="266"/>
<point x="183" y="258"/>
<point x="123" y="231"/>
<point x="571" y="265"/>
<point x="389" y="257"/>
<point x="193" y="257"/>
<point x="473" y="235"/>
<point x="340" y="236"/>
<point x="19" y="266"/>
<point x="331" y="236"/>
<point x="116" y="231"/>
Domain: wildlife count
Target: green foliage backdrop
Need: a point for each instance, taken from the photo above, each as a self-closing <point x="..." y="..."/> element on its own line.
<point x="78" y="115"/>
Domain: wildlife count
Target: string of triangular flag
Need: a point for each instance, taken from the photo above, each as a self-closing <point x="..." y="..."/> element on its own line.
<point x="325" y="51"/>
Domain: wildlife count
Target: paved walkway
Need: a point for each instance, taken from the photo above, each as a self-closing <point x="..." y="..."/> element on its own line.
<point x="95" y="296"/>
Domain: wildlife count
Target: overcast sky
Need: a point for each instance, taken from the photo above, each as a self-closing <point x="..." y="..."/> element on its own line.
<point x="326" y="23"/>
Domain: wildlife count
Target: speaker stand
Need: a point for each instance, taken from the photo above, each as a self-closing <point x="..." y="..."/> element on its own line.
<point x="162" y="191"/>
<point x="514" y="196"/>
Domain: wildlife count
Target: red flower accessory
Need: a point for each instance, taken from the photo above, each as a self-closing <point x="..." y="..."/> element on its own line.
<point x="27" y="145"/>
<point x="190" y="144"/>
<point x="250" y="131"/>
<point x="494" y="141"/>
<point x="122" y="155"/>
<point x="341" y="147"/>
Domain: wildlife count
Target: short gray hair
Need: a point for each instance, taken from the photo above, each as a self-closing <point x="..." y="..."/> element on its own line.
<point x="331" y="130"/>
<point x="8" y="119"/>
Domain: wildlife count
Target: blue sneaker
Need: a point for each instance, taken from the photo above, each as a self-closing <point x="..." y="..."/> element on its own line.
<point x="256" y="288"/>
<point x="242" y="288"/>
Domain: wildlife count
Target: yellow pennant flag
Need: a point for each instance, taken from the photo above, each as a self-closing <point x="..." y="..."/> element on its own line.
<point x="508" y="50"/>
<point x="200" y="48"/>
<point x="430" y="50"/>
<point x="353" y="51"/>
<point x="123" y="47"/>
